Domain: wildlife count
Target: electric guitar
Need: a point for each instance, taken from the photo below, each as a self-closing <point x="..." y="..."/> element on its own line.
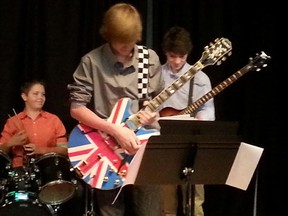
<point x="98" y="159"/>
<point x="255" y="64"/>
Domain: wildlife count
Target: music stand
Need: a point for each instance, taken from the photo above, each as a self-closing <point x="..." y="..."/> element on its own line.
<point x="199" y="152"/>
<point x="207" y="147"/>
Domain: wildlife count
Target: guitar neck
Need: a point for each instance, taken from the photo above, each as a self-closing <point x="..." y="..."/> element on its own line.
<point x="216" y="90"/>
<point x="156" y="102"/>
<point x="212" y="54"/>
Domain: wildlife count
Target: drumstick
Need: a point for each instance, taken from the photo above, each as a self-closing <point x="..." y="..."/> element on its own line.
<point x="19" y="125"/>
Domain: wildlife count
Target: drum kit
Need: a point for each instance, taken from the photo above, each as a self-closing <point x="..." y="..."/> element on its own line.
<point x="41" y="188"/>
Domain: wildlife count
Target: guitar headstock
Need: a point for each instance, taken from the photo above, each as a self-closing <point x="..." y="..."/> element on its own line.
<point x="259" y="61"/>
<point x="216" y="52"/>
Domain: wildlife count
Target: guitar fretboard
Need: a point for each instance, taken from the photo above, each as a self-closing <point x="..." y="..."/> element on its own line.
<point x="193" y="107"/>
<point x="255" y="64"/>
<point x="155" y="103"/>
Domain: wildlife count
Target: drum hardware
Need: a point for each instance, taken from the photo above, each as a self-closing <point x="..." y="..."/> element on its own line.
<point x="20" y="203"/>
<point x="55" y="209"/>
<point x="21" y="179"/>
<point x="19" y="198"/>
<point x="26" y="190"/>
<point x="90" y="212"/>
<point x="3" y="184"/>
<point x="5" y="164"/>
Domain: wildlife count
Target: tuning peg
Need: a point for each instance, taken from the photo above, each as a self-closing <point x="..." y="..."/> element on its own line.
<point x="211" y="44"/>
<point x="216" y="40"/>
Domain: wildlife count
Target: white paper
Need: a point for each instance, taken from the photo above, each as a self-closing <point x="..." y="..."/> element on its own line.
<point x="244" y="166"/>
<point x="133" y="169"/>
<point x="134" y="165"/>
<point x="177" y="117"/>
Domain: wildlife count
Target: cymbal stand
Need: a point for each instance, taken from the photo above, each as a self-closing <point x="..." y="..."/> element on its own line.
<point x="91" y="212"/>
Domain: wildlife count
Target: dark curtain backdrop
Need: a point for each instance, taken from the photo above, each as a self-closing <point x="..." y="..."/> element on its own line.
<point x="46" y="39"/>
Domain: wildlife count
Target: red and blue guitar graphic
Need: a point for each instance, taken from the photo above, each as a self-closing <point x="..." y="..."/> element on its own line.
<point x="101" y="161"/>
<point x="98" y="158"/>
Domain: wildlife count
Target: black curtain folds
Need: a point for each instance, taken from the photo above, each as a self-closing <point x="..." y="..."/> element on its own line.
<point x="46" y="39"/>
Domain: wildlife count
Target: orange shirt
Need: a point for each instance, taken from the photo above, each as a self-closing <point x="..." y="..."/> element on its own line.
<point x="46" y="130"/>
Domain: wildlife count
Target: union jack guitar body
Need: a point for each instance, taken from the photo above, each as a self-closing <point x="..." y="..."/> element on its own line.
<point x="98" y="158"/>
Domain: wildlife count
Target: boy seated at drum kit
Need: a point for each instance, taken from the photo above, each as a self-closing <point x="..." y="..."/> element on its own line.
<point x="34" y="167"/>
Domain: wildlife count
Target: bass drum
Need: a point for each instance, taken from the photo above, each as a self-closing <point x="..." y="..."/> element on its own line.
<point x="21" y="203"/>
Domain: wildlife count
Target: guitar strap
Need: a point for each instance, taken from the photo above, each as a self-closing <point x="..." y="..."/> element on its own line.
<point x="143" y="66"/>
<point x="191" y="94"/>
<point x="190" y="91"/>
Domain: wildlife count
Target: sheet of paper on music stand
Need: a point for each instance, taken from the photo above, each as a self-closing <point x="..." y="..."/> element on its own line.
<point x="133" y="169"/>
<point x="244" y="165"/>
<point x="178" y="117"/>
<point x="134" y="166"/>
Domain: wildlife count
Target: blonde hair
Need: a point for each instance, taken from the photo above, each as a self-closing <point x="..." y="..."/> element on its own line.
<point x="122" y="23"/>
